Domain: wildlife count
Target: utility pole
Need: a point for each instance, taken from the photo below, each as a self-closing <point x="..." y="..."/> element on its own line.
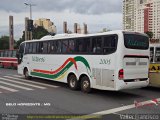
<point x="28" y="33"/>
<point x="30" y="7"/>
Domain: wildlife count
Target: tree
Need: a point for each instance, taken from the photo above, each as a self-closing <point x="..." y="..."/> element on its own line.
<point x="4" y="42"/>
<point x="150" y="34"/>
<point x="39" y="32"/>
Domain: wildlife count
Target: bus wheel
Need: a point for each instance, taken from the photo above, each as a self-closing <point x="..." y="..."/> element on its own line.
<point x="72" y="82"/>
<point x="85" y="85"/>
<point x="26" y="74"/>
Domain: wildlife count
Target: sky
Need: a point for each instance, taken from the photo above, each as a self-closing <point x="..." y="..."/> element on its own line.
<point x="97" y="14"/>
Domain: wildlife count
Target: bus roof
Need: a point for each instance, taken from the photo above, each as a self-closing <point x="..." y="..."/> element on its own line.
<point x="75" y="35"/>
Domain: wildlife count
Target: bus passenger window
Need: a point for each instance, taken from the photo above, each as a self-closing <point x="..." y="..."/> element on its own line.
<point x="82" y="45"/>
<point x="110" y="44"/>
<point x="49" y="46"/>
<point x="65" y="46"/>
<point x="71" y="46"/>
<point x="58" y="46"/>
<point x="44" y="48"/>
<point x="27" y="48"/>
<point x="34" y="48"/>
<point x="30" y="47"/>
<point x="96" y="45"/>
<point x="157" y="55"/>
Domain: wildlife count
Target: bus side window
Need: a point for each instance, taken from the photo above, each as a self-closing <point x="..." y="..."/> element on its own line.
<point x="27" y="48"/>
<point x="96" y="45"/>
<point x="34" y="48"/>
<point x="71" y="46"/>
<point x="65" y="47"/>
<point x="40" y="47"/>
<point x="52" y="47"/>
<point x="30" y="47"/>
<point x="49" y="47"/>
<point x="45" y="46"/>
<point x="110" y="44"/>
<point x="157" y="55"/>
<point x="58" y="44"/>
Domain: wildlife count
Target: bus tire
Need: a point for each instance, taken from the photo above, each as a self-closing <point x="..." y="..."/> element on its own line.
<point x="26" y="74"/>
<point x="72" y="82"/>
<point x="85" y="85"/>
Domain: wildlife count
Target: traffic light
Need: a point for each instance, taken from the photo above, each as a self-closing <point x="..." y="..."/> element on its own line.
<point x="30" y="25"/>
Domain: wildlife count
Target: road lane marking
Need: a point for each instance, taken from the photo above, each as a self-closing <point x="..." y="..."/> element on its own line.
<point x="38" y="83"/>
<point x="7" y="88"/>
<point x="14" y="85"/>
<point x="115" y="110"/>
<point x="17" y="75"/>
<point x="23" y="83"/>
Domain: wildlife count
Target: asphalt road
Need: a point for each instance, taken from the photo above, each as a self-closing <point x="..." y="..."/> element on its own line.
<point x="39" y="96"/>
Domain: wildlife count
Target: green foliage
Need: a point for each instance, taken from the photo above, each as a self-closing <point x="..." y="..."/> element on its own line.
<point x="150" y="34"/>
<point x="39" y="32"/>
<point x="4" y="42"/>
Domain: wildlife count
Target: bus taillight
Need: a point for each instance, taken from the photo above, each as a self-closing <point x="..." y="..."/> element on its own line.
<point x="121" y="74"/>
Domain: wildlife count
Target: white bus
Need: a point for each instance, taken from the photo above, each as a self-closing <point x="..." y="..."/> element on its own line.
<point x="112" y="60"/>
<point x="154" y="74"/>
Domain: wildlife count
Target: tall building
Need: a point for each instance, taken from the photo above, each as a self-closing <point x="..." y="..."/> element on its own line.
<point x="46" y="23"/>
<point x="142" y="16"/>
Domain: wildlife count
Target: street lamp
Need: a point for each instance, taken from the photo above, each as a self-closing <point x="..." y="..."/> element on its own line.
<point x="30" y="5"/>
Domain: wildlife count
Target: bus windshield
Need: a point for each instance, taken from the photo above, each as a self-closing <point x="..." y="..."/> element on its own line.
<point x="134" y="41"/>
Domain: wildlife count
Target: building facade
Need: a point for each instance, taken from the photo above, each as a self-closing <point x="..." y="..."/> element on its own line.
<point x="46" y="23"/>
<point x="142" y="16"/>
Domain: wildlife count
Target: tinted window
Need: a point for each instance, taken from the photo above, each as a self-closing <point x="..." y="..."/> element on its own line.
<point x="30" y="47"/>
<point x="96" y="44"/>
<point x="44" y="48"/>
<point x="157" y="54"/>
<point x="134" y="41"/>
<point x="82" y="45"/>
<point x="151" y="54"/>
<point x="40" y="47"/>
<point x="65" y="47"/>
<point x="52" y="48"/>
<point x="27" y="48"/>
<point x="71" y="46"/>
<point x="58" y="45"/>
<point x="110" y="44"/>
<point x="34" y="47"/>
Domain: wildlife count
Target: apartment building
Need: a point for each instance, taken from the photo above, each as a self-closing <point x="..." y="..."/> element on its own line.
<point x="46" y="23"/>
<point x="142" y="16"/>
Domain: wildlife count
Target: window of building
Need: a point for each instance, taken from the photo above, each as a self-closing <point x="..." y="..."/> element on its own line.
<point x="157" y="54"/>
